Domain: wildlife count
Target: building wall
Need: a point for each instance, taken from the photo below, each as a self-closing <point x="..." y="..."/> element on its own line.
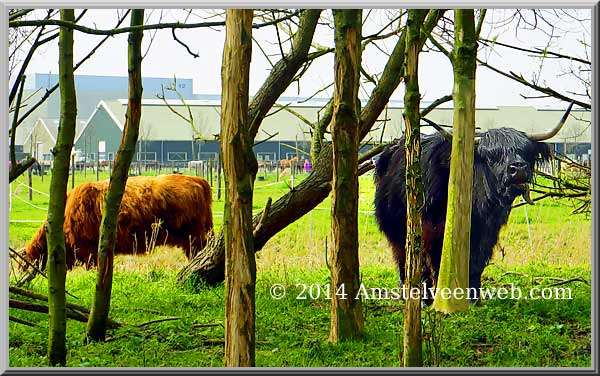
<point x="90" y="83"/>
<point x="174" y="152"/>
<point x="100" y="128"/>
<point x="39" y="143"/>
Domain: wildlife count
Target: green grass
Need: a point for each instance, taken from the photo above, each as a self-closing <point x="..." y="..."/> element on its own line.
<point x="293" y="333"/>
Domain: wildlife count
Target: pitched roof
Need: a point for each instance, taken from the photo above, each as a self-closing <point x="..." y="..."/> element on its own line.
<point x="51" y="126"/>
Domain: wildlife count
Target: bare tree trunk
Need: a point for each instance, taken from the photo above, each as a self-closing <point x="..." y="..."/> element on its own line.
<point x="412" y="348"/>
<point x="240" y="167"/>
<point x="97" y="324"/>
<point x="346" y="313"/>
<point x="454" y="265"/>
<point x="57" y="267"/>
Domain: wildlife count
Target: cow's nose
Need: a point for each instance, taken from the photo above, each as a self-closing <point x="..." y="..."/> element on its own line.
<point x="517" y="168"/>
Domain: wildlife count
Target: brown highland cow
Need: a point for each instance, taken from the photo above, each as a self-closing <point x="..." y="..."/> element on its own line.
<point x="176" y="207"/>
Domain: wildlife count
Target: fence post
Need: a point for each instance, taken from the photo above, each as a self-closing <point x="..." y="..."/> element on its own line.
<point x="292" y="170"/>
<point x="98" y="169"/>
<point x="41" y="170"/>
<point x="72" y="171"/>
<point x="210" y="172"/>
<point x="30" y="182"/>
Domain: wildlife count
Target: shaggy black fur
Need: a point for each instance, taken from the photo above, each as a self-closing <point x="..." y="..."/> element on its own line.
<point x="504" y="160"/>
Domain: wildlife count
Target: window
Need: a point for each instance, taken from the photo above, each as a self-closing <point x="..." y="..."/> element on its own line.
<point x="177" y="156"/>
<point x="147" y="156"/>
<point x="290" y="155"/>
<point x="47" y="157"/>
<point x="204" y="156"/>
<point x="265" y="156"/>
<point x="111" y="156"/>
<point x="92" y="156"/>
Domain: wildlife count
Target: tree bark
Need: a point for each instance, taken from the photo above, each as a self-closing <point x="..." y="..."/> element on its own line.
<point x="412" y="339"/>
<point x="97" y="324"/>
<point x="240" y="167"/>
<point x="208" y="265"/>
<point x="454" y="264"/>
<point x="346" y="313"/>
<point x="57" y="268"/>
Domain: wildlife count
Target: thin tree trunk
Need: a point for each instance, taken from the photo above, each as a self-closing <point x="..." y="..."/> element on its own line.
<point x="346" y="313"/>
<point x="412" y="347"/>
<point x="209" y="264"/>
<point x="57" y="268"/>
<point x="454" y="265"/>
<point x="240" y="167"/>
<point x="96" y="327"/>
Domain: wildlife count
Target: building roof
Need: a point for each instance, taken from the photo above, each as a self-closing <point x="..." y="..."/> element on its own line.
<point x="51" y="126"/>
<point x="281" y="124"/>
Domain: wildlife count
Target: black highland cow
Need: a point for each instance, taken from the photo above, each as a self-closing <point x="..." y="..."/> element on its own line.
<point x="503" y="167"/>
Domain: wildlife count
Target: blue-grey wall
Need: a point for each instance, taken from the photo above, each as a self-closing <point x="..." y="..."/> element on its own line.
<point x="165" y="150"/>
<point x="151" y="85"/>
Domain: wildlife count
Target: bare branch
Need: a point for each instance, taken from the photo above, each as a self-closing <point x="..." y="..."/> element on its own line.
<point x="18" y="14"/>
<point x="538" y="51"/>
<point x="545" y="90"/>
<point x="115" y="31"/>
<point x="480" y="22"/>
<point x="195" y="55"/>
<point x="434" y="104"/>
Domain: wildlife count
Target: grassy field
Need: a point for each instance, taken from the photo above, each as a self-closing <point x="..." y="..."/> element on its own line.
<point x="542" y="245"/>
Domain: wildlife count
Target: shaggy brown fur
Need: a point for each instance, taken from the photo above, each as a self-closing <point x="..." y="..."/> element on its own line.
<point x="182" y="204"/>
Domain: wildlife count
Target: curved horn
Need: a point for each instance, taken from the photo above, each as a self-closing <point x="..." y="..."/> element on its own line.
<point x="551" y="133"/>
<point x="447" y="135"/>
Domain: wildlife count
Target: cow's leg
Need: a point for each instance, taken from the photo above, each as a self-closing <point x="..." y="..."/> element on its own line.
<point x="400" y="257"/>
<point x="475" y="272"/>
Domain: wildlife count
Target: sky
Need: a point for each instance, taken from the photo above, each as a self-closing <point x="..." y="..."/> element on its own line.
<point x="166" y="58"/>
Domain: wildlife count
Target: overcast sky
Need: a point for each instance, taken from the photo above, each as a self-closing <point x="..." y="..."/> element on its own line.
<point x="166" y="58"/>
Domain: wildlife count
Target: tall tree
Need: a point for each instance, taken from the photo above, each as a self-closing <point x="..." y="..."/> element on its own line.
<point x="240" y="167"/>
<point x="454" y="264"/>
<point x="57" y="267"/>
<point x="412" y="348"/>
<point x="96" y="327"/>
<point x="346" y="313"/>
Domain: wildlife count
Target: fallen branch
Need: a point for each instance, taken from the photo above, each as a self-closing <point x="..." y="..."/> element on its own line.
<point x="565" y="281"/>
<point x="561" y="281"/>
<point x="197" y="326"/>
<point x="71" y="313"/>
<point x="44" y="298"/>
<point x="18" y="320"/>
<point x="157" y="321"/>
